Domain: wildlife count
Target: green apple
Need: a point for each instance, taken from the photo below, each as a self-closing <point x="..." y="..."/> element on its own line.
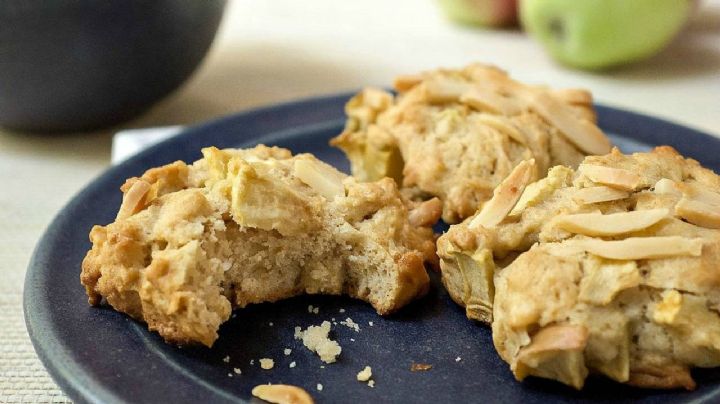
<point x="486" y="13"/>
<point x="597" y="34"/>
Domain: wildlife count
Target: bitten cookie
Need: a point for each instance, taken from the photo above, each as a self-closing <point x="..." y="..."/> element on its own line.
<point x="190" y="242"/>
<point x="610" y="269"/>
<point x="455" y="134"/>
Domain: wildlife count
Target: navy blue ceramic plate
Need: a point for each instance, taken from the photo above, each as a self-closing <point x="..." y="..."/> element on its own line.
<point x="99" y="355"/>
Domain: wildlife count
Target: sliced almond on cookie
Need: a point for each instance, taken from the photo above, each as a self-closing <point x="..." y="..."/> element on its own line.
<point x="600" y="193"/>
<point x="406" y="82"/>
<point x="702" y="195"/>
<point x="698" y="213"/>
<point x="503" y="125"/>
<point x="133" y="199"/>
<point x="613" y="177"/>
<point x="596" y="224"/>
<point x="505" y="196"/>
<point x="573" y="96"/>
<point x="324" y="179"/>
<point x="697" y="206"/>
<point x="667" y="186"/>
<point x="637" y="248"/>
<point x="485" y="99"/>
<point x="557" y="177"/>
<point x="580" y="132"/>
<point x="442" y="89"/>
<point x="426" y="213"/>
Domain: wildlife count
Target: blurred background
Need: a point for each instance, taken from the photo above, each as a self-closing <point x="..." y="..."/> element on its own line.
<point x="658" y="57"/>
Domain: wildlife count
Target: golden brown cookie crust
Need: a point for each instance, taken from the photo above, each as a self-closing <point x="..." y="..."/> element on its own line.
<point x="635" y="269"/>
<point x="455" y="134"/>
<point x="247" y="226"/>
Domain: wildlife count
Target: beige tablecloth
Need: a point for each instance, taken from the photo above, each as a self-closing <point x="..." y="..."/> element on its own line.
<point x="270" y="51"/>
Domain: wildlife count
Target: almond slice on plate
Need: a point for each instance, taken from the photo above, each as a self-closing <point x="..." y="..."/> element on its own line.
<point x="600" y="193"/>
<point x="324" y="179"/>
<point x="580" y="132"/>
<point x="698" y="213"/>
<point x="596" y="224"/>
<point x="613" y="177"/>
<point x="503" y="125"/>
<point x="133" y="199"/>
<point x="282" y="394"/>
<point x="485" y="99"/>
<point x="638" y="248"/>
<point x="505" y="196"/>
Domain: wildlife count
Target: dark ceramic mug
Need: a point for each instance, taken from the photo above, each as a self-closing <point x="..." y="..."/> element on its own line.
<point x="72" y="65"/>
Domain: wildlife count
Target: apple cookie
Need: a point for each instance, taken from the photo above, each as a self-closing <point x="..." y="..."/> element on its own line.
<point x="237" y="227"/>
<point x="609" y="269"/>
<point x="455" y="134"/>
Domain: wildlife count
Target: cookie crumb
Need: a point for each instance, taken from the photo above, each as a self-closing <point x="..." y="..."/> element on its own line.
<point x="458" y="359"/>
<point x="310" y="308"/>
<point x="229" y="374"/>
<point x="370" y="323"/>
<point x="226" y="359"/>
<point x="352" y="339"/>
<point x="322" y="366"/>
<point x="348" y="322"/>
<point x="252" y="361"/>
<point x="292" y="364"/>
<point x="315" y="338"/>
<point x="365" y="374"/>
<point x="287" y="351"/>
<point x="237" y="371"/>
<point x="371" y="383"/>
<point x="420" y="367"/>
<point x="319" y="387"/>
<point x="341" y="310"/>
<point x="316" y="310"/>
<point x="270" y="324"/>
<point x="267" y="363"/>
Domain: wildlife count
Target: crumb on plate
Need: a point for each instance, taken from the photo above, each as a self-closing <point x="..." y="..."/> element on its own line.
<point x="365" y="374"/>
<point x="267" y="363"/>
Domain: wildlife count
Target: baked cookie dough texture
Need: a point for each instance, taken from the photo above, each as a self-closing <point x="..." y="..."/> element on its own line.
<point x="455" y="134"/>
<point x="191" y="242"/>
<point x="609" y="269"/>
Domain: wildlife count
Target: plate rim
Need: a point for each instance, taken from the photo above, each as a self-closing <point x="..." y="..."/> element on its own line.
<point x="69" y="378"/>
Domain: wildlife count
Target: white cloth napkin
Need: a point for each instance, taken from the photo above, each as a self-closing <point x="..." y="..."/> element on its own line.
<point x="129" y="142"/>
